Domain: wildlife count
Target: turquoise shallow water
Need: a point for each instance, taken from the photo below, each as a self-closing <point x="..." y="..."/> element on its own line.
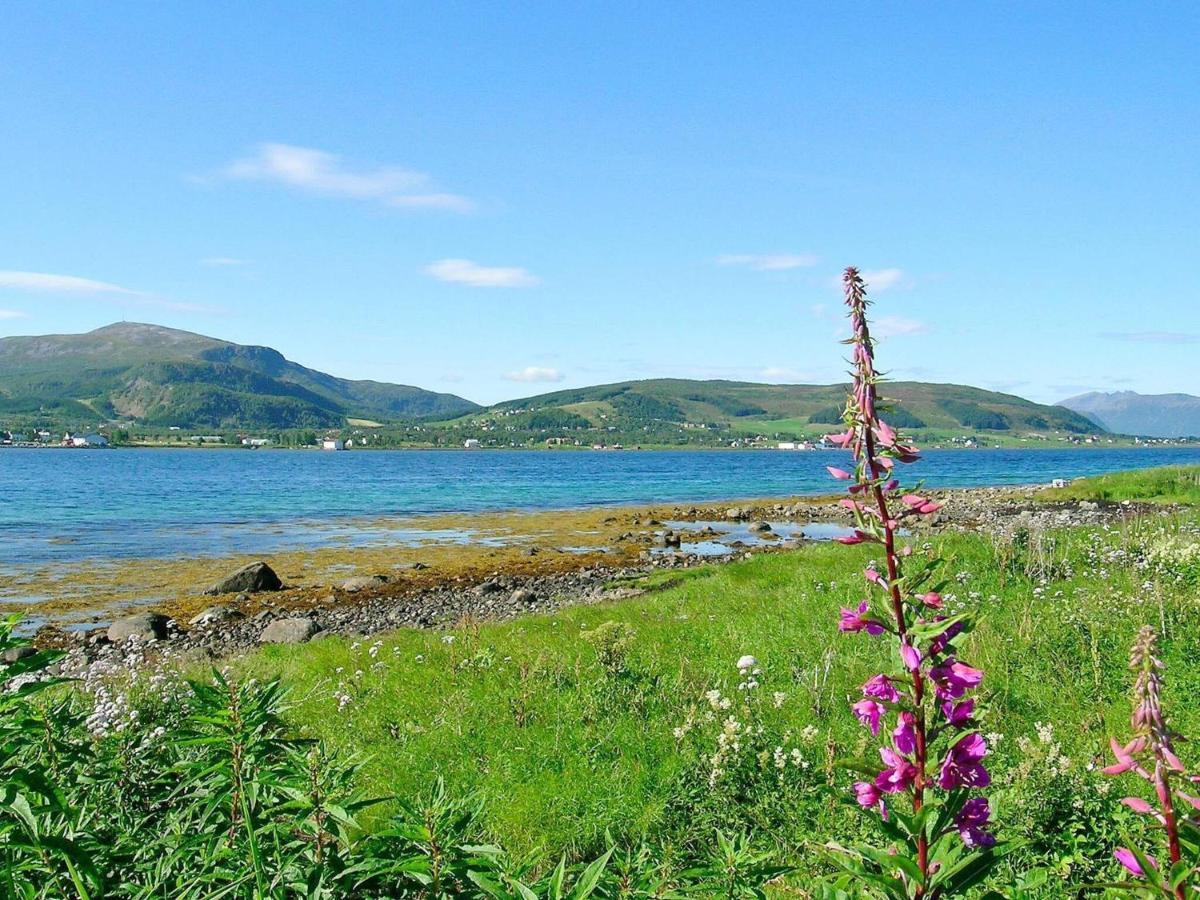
<point x="69" y="505"/>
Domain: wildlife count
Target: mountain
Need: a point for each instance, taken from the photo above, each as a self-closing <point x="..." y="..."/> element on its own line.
<point x="747" y="406"/>
<point x="161" y="376"/>
<point x="1149" y="415"/>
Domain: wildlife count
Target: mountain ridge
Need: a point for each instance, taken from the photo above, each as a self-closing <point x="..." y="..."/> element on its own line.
<point x="166" y="376"/>
<point x="1150" y="415"/>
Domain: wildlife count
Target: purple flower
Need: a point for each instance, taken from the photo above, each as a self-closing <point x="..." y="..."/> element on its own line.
<point x="868" y="712"/>
<point x="971" y="822"/>
<point x="963" y="765"/>
<point x="939" y="644"/>
<point x="958" y="713"/>
<point x="899" y="773"/>
<point x="905" y="734"/>
<point x="881" y="688"/>
<point x="952" y="679"/>
<point x="1129" y="861"/>
<point x="857" y="620"/>
<point x="867" y="795"/>
<point x="911" y="656"/>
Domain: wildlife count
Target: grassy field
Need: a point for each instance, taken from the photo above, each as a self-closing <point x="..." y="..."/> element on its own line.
<point x="567" y="726"/>
<point x="1169" y="484"/>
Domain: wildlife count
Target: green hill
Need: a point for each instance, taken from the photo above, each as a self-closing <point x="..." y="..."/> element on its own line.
<point x="771" y="408"/>
<point x="160" y="376"/>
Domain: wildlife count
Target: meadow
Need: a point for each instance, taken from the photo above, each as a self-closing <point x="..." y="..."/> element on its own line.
<point x="690" y="741"/>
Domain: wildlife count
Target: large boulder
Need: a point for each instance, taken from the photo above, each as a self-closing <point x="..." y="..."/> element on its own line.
<point x="249" y="579"/>
<point x="141" y="627"/>
<point x="289" y="631"/>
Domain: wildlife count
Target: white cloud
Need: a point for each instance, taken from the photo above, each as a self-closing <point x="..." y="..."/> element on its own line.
<point x="785" y="375"/>
<point x="769" y="262"/>
<point x="44" y="282"/>
<point x="12" y="314"/>
<point x="886" y="279"/>
<point x="48" y="283"/>
<point x="464" y="271"/>
<point x="897" y="326"/>
<point x="221" y="261"/>
<point x="318" y="172"/>
<point x="534" y="373"/>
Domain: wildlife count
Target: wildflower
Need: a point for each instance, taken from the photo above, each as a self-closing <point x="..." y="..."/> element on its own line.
<point x="911" y="656"/>
<point x="963" y="766"/>
<point x="778" y="698"/>
<point x="867" y="795"/>
<point x="899" y="773"/>
<point x="971" y="821"/>
<point x="881" y="687"/>
<point x="904" y="734"/>
<point x="857" y="620"/>
<point x="869" y="712"/>
<point x="959" y="713"/>
<point x="1129" y="861"/>
<point x="952" y="679"/>
<point x="746" y="663"/>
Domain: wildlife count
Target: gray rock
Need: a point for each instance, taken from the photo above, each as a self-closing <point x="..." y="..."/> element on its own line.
<point x="416" y="567"/>
<point x="15" y="654"/>
<point x="523" y="596"/>
<point x="488" y="587"/>
<point x="363" y="583"/>
<point x="249" y="579"/>
<point x="214" y="614"/>
<point x="289" y="631"/>
<point x="760" y="527"/>
<point x="142" y="627"/>
<point x="734" y="513"/>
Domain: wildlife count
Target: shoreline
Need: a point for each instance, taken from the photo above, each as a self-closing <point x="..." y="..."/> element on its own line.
<point x="529" y="567"/>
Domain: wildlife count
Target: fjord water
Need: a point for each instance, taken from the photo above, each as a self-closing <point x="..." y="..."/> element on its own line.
<point x="70" y="505"/>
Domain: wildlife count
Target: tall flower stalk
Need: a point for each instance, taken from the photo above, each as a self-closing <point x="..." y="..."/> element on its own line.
<point x="1150" y="754"/>
<point x="939" y="844"/>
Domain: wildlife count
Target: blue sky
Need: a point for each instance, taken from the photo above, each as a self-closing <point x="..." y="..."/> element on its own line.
<point x="500" y="200"/>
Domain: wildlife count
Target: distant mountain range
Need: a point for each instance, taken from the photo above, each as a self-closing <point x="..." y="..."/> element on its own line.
<point x="161" y="376"/>
<point x="748" y="406"/>
<point x="157" y="376"/>
<point x="1149" y="415"/>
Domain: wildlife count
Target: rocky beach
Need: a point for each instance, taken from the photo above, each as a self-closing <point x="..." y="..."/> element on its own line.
<point x="544" y="562"/>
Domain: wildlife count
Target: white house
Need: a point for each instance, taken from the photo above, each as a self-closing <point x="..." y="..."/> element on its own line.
<point x="89" y="440"/>
<point x="333" y="444"/>
<point x="472" y="444"/>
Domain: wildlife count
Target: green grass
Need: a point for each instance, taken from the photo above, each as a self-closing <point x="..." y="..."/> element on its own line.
<point x="1169" y="484"/>
<point x="522" y="715"/>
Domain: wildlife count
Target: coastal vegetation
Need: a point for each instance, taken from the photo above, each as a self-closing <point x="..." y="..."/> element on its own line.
<point x="712" y="736"/>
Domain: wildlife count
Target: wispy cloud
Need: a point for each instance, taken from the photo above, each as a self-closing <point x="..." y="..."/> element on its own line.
<point x="786" y="375"/>
<point x="1152" y="337"/>
<point x="465" y="271"/>
<point x="45" y="282"/>
<point x="886" y="279"/>
<point x="217" y="262"/>
<point x="534" y="373"/>
<point x="898" y="326"/>
<point x="318" y="172"/>
<point x="73" y="285"/>
<point x="451" y="378"/>
<point x="768" y="262"/>
<point x="12" y="314"/>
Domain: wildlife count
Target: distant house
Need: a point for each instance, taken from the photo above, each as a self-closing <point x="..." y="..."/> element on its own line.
<point x="472" y="444"/>
<point x="85" y="440"/>
<point x="333" y="444"/>
<point x="786" y="445"/>
<point x="256" y="442"/>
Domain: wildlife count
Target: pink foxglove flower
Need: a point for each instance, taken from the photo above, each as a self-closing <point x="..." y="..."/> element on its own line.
<point x="930" y="680"/>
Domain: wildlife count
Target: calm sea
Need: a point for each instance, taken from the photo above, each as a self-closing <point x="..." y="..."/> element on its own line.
<point x="84" y="504"/>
